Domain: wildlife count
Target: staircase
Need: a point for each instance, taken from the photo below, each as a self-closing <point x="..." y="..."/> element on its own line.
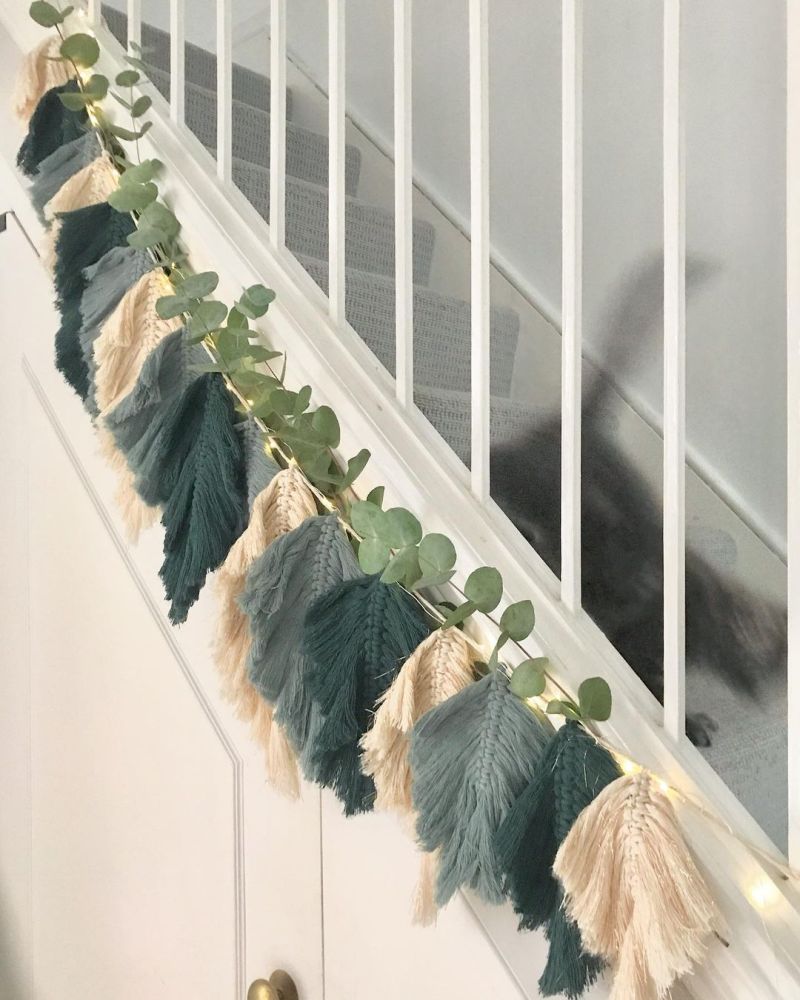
<point x="441" y="322"/>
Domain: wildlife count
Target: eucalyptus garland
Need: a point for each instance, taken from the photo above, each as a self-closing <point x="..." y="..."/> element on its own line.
<point x="332" y="640"/>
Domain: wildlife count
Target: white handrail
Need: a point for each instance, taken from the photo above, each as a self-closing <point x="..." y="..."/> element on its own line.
<point x="403" y="204"/>
<point x="479" y="243"/>
<point x="674" y="379"/>
<point x="336" y="134"/>
<point x="224" y="90"/>
<point x="177" y="60"/>
<point x="793" y="412"/>
<point x="134" y="25"/>
<point x="277" y="127"/>
<point x="571" y="297"/>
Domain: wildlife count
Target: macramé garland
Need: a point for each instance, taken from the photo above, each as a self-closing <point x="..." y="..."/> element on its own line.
<point x="341" y="676"/>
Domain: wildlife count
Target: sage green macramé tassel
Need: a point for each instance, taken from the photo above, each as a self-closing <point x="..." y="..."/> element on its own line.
<point x="205" y="509"/>
<point x="260" y="467"/>
<point x="84" y="236"/>
<point x="51" y="126"/>
<point x="572" y="772"/>
<point x="57" y="168"/>
<point x="296" y="570"/>
<point x="470" y="759"/>
<point x="356" y="638"/>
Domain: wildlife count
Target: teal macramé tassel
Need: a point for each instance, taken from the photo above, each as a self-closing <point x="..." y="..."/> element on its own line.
<point x="143" y="423"/>
<point x="295" y="571"/>
<point x="57" y="168"/>
<point x="106" y="282"/>
<point x="356" y="638"/>
<point x="572" y="772"/>
<point x="51" y="126"/>
<point x="84" y="236"/>
<point x="260" y="468"/>
<point x="206" y="507"/>
<point x="471" y="757"/>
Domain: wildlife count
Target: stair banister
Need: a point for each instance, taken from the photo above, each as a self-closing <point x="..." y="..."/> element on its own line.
<point x="336" y="176"/>
<point x="277" y="124"/>
<point x="177" y="60"/>
<point x="224" y="90"/>
<point x="403" y="205"/>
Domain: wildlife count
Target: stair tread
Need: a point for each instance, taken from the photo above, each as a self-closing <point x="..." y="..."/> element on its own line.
<point x="442" y="329"/>
<point x="369" y="229"/>
<point x="306" y="151"/>
<point x="200" y="65"/>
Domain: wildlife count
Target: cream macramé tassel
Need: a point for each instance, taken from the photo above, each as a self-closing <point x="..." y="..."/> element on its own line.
<point x="279" y="508"/>
<point x="137" y="516"/>
<point x="38" y="73"/>
<point x="89" y="186"/>
<point x="437" y="669"/>
<point x="129" y="334"/>
<point x="633" y="888"/>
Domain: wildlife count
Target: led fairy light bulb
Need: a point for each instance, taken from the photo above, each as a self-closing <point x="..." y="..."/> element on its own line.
<point x="763" y="893"/>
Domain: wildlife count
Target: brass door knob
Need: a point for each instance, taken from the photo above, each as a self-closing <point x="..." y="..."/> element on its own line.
<point x="279" y="986"/>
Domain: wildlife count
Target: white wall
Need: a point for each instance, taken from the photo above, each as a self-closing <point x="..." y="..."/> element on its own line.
<point x="735" y="68"/>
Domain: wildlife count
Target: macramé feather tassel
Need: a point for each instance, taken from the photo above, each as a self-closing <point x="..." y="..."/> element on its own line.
<point x="85" y="236"/>
<point x="572" y="772"/>
<point x="205" y="509"/>
<point x="282" y="506"/>
<point x="356" y="638"/>
<point x="41" y="69"/>
<point x="91" y="185"/>
<point x="471" y="757"/>
<point x="128" y="335"/>
<point x="57" y="168"/>
<point x="441" y="666"/>
<point x="296" y="570"/>
<point x="51" y="126"/>
<point x="634" y="890"/>
<point x="261" y="467"/>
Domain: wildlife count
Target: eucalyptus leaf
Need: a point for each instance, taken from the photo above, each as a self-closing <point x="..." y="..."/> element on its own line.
<point x="325" y="422"/>
<point x="566" y="708"/>
<point x="141" y="173"/>
<point x="375" y="496"/>
<point x="373" y="555"/>
<point x="355" y="467"/>
<point x="403" y="567"/>
<point x="147" y="236"/>
<point x="402" y="528"/>
<point x="75" y="101"/>
<point x="208" y="315"/>
<point x="484" y="587"/>
<point x="197" y="286"/>
<point x="96" y="86"/>
<point x="46" y="14"/>
<point x="459" y="614"/>
<point x="82" y="49"/>
<point x="255" y="301"/>
<point x="437" y="554"/>
<point x="528" y="679"/>
<point x="127" y="78"/>
<point x="259" y="353"/>
<point x="366" y="518"/>
<point x="161" y="217"/>
<point x="434" y="579"/>
<point x="133" y="197"/>
<point x="237" y="319"/>
<point x="594" y="699"/>
<point x="518" y="620"/>
<point x="140" y="105"/>
<point x="125" y="133"/>
<point x="170" y="306"/>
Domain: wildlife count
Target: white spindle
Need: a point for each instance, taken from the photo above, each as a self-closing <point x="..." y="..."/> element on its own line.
<point x="177" y="60"/>
<point x="336" y="133"/>
<point x="674" y="378"/>
<point x="571" y="297"/>
<point x="277" y="126"/>
<point x="793" y="413"/>
<point x="93" y="12"/>
<point x="224" y="89"/>
<point x="403" y="204"/>
<point x="134" y="25"/>
<point x="479" y="242"/>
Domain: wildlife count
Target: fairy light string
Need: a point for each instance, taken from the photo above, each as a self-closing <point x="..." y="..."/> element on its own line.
<point x="764" y="893"/>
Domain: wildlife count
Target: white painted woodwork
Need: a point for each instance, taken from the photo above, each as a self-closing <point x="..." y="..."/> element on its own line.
<point x="337" y="22"/>
<point x="403" y="203"/>
<point x="224" y="89"/>
<point x="277" y="124"/>
<point x="134" y="25"/>
<point x="177" y="60"/>
<point x="674" y="379"/>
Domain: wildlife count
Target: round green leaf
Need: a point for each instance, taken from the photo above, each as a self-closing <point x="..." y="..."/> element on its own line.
<point x="528" y="679"/>
<point x="484" y="587"/>
<point x="565" y="708"/>
<point x="209" y="315"/>
<point x="147" y="236"/>
<point x="140" y="105"/>
<point x="403" y="567"/>
<point x="140" y="173"/>
<point x="518" y="620"/>
<point x="133" y="197"/>
<point x="355" y="467"/>
<point x="401" y="528"/>
<point x="127" y="78"/>
<point x="437" y="554"/>
<point x="159" y="216"/>
<point x="96" y="87"/>
<point x="376" y="496"/>
<point x="594" y="699"/>
<point x="82" y="49"/>
<point x="170" y="306"/>
<point x="197" y="286"/>
<point x="326" y="424"/>
<point x="75" y="102"/>
<point x="373" y="555"/>
<point x="45" y="14"/>
<point x="366" y="517"/>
